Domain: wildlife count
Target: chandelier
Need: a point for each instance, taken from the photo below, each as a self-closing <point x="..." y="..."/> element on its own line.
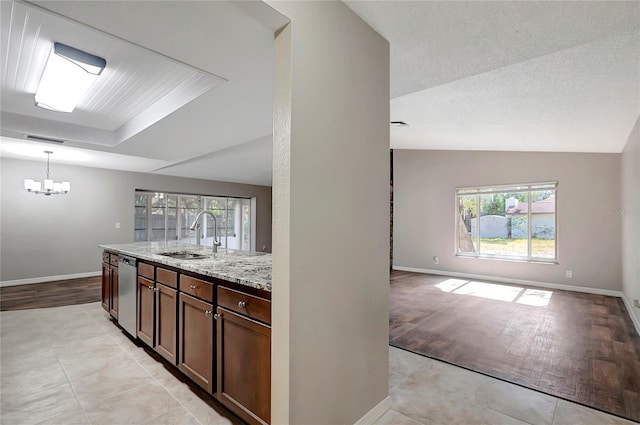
<point x="49" y="187"/>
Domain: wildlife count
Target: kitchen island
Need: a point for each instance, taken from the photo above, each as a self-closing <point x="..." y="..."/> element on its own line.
<point x="208" y="314"/>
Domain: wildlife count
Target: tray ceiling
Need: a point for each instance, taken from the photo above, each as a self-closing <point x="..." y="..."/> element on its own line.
<point x="137" y="88"/>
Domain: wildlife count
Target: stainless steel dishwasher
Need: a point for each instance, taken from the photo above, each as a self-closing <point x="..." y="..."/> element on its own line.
<point x="127" y="271"/>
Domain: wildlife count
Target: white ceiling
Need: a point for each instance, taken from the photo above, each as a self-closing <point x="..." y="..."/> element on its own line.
<point x="521" y="75"/>
<point x="232" y="41"/>
<point x="515" y="75"/>
<point x="136" y="89"/>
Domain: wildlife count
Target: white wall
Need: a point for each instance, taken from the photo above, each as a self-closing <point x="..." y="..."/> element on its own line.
<point x="588" y="233"/>
<point x="630" y="213"/>
<point x="331" y="217"/>
<point x="59" y="235"/>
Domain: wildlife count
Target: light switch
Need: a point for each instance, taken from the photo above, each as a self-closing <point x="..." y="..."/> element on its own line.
<point x="117" y="225"/>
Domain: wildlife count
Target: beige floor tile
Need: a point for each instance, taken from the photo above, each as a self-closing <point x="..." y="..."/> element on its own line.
<point x="177" y="416"/>
<point x="83" y="364"/>
<point x="521" y="403"/>
<point x="67" y="418"/>
<point x="417" y="399"/>
<point x="23" y="340"/>
<point x="391" y="417"/>
<point x="109" y="382"/>
<point x="132" y="407"/>
<point x="450" y="379"/>
<point x="62" y="335"/>
<point x="208" y="412"/>
<point x="17" y="362"/>
<point x="31" y="381"/>
<point x="15" y="320"/>
<point x="572" y="414"/>
<point x="403" y="363"/>
<point x="40" y="406"/>
<point x="178" y="389"/>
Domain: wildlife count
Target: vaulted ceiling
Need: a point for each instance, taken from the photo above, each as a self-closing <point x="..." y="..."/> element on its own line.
<point x="522" y="75"/>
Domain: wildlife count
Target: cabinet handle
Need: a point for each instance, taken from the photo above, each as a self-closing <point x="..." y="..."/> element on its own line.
<point x="242" y="304"/>
<point x="192" y="287"/>
<point x="217" y="316"/>
<point x="155" y="289"/>
<point x="150" y="287"/>
<point x="208" y="313"/>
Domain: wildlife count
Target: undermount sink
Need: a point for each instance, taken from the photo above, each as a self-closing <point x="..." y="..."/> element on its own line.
<point x="183" y="255"/>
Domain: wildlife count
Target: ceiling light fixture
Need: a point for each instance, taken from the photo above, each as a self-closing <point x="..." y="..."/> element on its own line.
<point x="67" y="76"/>
<point x="50" y="187"/>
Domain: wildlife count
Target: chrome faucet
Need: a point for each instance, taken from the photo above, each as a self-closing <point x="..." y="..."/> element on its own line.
<point x="195" y="225"/>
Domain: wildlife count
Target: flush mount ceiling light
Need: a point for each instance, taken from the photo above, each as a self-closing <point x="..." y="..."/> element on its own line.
<point x="50" y="187"/>
<point x="67" y="76"/>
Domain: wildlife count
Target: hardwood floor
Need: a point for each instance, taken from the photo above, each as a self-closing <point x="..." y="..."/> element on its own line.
<point x="577" y="346"/>
<point x="50" y="294"/>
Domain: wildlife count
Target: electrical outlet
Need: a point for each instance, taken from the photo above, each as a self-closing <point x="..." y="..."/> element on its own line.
<point x="436" y="260"/>
<point x="117" y="225"/>
<point x="636" y="303"/>
<point x="569" y="274"/>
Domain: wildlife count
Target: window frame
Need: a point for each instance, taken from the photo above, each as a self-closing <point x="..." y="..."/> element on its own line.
<point x="201" y="204"/>
<point x="502" y="188"/>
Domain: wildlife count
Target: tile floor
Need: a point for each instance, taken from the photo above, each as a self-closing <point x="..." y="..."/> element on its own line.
<point x="71" y="365"/>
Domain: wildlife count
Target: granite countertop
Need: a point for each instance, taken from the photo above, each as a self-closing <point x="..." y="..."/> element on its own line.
<point x="251" y="269"/>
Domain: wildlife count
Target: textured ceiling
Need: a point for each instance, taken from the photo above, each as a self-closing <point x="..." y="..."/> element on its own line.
<point x="511" y="75"/>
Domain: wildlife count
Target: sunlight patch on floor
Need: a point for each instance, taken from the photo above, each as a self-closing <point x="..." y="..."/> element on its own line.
<point x="491" y="291"/>
<point x="535" y="297"/>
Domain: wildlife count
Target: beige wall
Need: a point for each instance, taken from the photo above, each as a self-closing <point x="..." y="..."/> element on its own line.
<point x="589" y="231"/>
<point x="630" y="213"/>
<point x="59" y="235"/>
<point x="331" y="215"/>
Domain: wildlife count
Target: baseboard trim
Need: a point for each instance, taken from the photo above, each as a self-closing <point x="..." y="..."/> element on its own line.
<point x="374" y="414"/>
<point x="549" y="285"/>
<point x="47" y="279"/>
<point x="632" y="313"/>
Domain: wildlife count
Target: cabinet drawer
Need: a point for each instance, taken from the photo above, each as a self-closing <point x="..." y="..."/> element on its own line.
<point x="254" y="307"/>
<point x="105" y="257"/>
<point x="146" y="270"/>
<point x="114" y="260"/>
<point x="196" y="287"/>
<point x="167" y="277"/>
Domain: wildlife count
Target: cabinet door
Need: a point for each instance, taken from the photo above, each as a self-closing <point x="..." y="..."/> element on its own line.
<point x="166" y="322"/>
<point x="144" y="320"/>
<point x="244" y="366"/>
<point x="114" y="293"/>
<point x="106" y="287"/>
<point x="196" y="341"/>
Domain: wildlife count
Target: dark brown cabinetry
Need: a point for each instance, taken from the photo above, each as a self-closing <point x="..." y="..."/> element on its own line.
<point x="158" y="310"/>
<point x="166" y="322"/>
<point x="175" y="311"/>
<point x="196" y="340"/>
<point x="145" y="310"/>
<point x="110" y="284"/>
<point x="244" y="355"/>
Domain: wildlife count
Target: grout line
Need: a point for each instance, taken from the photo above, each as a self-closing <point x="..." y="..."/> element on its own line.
<point x="555" y="409"/>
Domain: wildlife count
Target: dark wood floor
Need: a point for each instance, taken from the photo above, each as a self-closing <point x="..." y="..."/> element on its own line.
<point x="581" y="347"/>
<point x="51" y="294"/>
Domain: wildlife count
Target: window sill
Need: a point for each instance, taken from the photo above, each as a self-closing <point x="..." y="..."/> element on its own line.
<point x="510" y="259"/>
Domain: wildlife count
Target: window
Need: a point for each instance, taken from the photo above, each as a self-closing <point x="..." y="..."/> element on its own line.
<point x="509" y="222"/>
<point x="163" y="216"/>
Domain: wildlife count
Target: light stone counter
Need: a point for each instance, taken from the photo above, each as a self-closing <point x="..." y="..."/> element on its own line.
<point x="251" y="269"/>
